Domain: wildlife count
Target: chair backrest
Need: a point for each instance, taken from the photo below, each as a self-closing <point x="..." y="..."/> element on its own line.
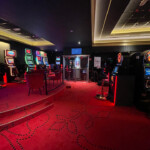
<point x="35" y="80"/>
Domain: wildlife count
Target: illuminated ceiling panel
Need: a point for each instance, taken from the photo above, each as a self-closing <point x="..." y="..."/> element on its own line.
<point x="118" y="22"/>
<point x="13" y="32"/>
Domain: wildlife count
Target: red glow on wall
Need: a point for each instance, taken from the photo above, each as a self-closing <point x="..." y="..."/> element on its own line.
<point x="35" y="67"/>
<point x="115" y="90"/>
<point x="5" y="78"/>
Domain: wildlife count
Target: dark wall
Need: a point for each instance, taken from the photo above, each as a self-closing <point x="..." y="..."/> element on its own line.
<point x="52" y="56"/>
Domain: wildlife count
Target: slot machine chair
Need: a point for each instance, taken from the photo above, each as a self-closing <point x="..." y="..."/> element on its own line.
<point x="103" y="82"/>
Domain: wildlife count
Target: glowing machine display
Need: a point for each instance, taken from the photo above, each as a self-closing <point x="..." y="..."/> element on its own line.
<point x="29" y="59"/>
<point x="58" y="60"/>
<point x="39" y="57"/>
<point x="9" y="58"/>
<point x="45" y="60"/>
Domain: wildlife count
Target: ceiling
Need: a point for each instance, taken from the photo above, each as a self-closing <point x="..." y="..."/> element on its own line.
<point x="78" y="23"/>
<point x="118" y="22"/>
<point x="62" y="22"/>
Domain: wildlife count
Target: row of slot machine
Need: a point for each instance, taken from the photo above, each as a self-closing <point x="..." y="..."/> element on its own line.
<point x="130" y="80"/>
<point x="40" y="59"/>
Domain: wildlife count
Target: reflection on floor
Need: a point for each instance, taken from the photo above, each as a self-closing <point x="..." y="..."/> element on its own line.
<point x="79" y="121"/>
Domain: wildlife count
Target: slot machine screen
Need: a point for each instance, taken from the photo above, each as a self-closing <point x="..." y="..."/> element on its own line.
<point x="147" y="71"/>
<point x="10" y="61"/>
<point x="115" y="69"/>
<point x="57" y="58"/>
<point x="30" y="62"/>
<point x="57" y="62"/>
<point x="38" y="53"/>
<point x="76" y="51"/>
<point x="29" y="57"/>
<point x="27" y="51"/>
<point x="10" y="53"/>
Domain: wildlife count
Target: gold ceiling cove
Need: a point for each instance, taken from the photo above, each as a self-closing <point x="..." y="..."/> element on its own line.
<point x="132" y="28"/>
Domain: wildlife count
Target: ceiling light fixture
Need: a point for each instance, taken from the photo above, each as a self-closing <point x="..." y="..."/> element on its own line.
<point x="79" y="42"/>
<point x="16" y="29"/>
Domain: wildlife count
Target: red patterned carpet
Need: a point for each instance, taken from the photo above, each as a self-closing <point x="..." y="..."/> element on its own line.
<point x="78" y="121"/>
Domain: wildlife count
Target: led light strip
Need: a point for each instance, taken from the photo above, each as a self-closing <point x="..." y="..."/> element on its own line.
<point x="22" y="39"/>
<point x="105" y="17"/>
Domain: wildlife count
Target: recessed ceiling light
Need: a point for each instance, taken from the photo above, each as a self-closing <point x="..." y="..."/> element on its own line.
<point x="16" y="29"/>
<point x="71" y="31"/>
<point x="79" y="42"/>
<point x="55" y="50"/>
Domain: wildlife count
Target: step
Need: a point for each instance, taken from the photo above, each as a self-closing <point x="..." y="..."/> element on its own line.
<point x="19" y="115"/>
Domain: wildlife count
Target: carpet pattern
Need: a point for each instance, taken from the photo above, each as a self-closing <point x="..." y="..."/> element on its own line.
<point x="79" y="121"/>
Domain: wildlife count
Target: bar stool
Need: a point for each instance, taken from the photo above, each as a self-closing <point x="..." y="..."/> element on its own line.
<point x="101" y="95"/>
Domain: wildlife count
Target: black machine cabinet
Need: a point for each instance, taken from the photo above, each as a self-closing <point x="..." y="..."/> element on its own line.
<point x="124" y="90"/>
<point x="122" y="82"/>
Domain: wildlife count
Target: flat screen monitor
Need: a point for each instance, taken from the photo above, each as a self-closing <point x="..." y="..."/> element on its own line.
<point x="28" y="51"/>
<point x="147" y="71"/>
<point x="10" y="53"/>
<point x="76" y="51"/>
<point x="30" y="62"/>
<point x="57" y="58"/>
<point x="115" y="69"/>
<point x="10" y="61"/>
<point x="39" y="58"/>
<point x="29" y="57"/>
<point x="57" y="62"/>
<point x="38" y="53"/>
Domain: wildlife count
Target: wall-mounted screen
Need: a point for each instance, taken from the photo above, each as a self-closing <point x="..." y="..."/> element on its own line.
<point x="76" y="51"/>
<point x="10" y="53"/>
<point x="10" y="61"/>
<point x="147" y="71"/>
<point x="39" y="58"/>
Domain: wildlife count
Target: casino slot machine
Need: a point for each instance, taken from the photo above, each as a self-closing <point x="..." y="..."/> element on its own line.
<point x="45" y="60"/>
<point x="29" y="60"/>
<point x="121" y="89"/>
<point x="39" y="58"/>
<point x="143" y="81"/>
<point x="58" y="60"/>
<point x="9" y="58"/>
